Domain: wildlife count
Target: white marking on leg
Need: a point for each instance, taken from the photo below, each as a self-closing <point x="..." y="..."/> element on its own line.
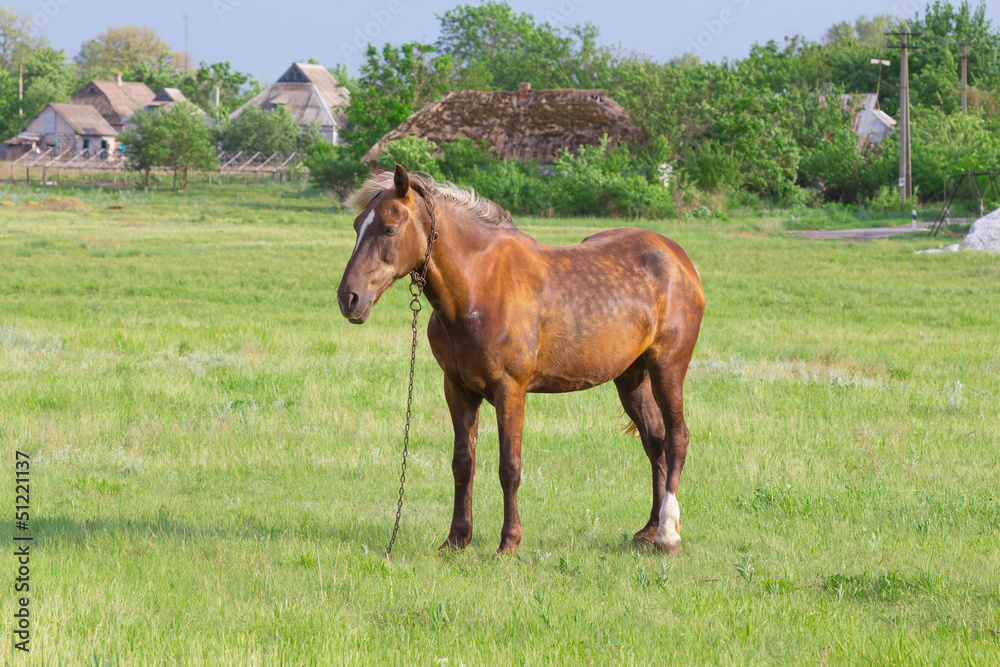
<point x="670" y="520"/>
<point x="364" y="228"/>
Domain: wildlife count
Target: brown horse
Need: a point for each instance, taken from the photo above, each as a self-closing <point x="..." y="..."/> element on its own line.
<point x="513" y="316"/>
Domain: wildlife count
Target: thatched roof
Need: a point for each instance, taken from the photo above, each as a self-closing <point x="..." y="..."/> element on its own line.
<point x="84" y="119"/>
<point x="115" y="100"/>
<point x="310" y="92"/>
<point x="527" y="124"/>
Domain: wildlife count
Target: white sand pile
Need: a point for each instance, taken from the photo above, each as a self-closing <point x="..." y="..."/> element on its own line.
<point x="984" y="235"/>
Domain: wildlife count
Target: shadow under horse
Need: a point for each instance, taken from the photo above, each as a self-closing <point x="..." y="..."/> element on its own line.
<point x="511" y="316"/>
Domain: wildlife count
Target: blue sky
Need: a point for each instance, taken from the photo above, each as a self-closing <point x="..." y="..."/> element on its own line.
<point x="263" y="37"/>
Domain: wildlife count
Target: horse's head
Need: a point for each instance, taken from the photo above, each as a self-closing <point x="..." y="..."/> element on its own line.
<point x="392" y="241"/>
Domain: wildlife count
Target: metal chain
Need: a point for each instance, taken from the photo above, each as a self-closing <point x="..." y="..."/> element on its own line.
<point x="417" y="283"/>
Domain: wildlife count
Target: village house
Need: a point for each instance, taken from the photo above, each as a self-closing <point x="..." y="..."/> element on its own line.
<point x="115" y="100"/>
<point x="165" y="100"/>
<point x="64" y="127"/>
<point x="870" y="123"/>
<point x="311" y="94"/>
<point x="527" y="124"/>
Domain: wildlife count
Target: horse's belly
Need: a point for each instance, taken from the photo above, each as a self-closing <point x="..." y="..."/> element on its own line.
<point x="575" y="365"/>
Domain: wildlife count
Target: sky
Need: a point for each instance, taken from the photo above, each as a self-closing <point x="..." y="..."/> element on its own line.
<point x="263" y="37"/>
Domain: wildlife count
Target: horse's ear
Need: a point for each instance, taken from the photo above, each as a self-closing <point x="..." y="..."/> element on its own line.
<point x="402" y="181"/>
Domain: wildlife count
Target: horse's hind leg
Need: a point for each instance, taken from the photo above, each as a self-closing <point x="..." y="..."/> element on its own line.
<point x="636" y="396"/>
<point x="666" y="376"/>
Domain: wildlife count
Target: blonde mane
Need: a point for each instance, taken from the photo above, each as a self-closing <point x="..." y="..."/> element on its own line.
<point x="464" y="199"/>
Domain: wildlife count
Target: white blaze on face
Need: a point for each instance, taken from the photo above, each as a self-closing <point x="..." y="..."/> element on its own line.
<point x="364" y="228"/>
<point x="670" y="521"/>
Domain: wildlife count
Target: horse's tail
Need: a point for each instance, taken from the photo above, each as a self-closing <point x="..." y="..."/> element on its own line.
<point x="630" y="428"/>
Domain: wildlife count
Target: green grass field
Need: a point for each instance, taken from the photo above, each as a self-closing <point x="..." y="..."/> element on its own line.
<point x="215" y="451"/>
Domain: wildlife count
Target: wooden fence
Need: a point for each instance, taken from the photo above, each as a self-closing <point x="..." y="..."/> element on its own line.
<point x="50" y="167"/>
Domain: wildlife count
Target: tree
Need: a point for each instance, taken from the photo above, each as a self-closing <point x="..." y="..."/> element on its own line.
<point x="47" y="78"/>
<point x="871" y="32"/>
<point x="865" y="31"/>
<point x="947" y="146"/>
<point x="394" y="83"/>
<point x="17" y="38"/>
<point x="177" y="139"/>
<point x="184" y="142"/>
<point x="143" y="144"/>
<point x="125" y="49"/>
<point x="839" y="32"/>
<point x="944" y="28"/>
<point x="235" y="88"/>
<point x="493" y="46"/>
<point x="937" y="84"/>
<point x="272" y="131"/>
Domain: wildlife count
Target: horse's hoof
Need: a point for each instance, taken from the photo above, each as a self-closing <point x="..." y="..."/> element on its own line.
<point x="508" y="548"/>
<point x="454" y="544"/>
<point x="645" y="536"/>
<point x="669" y="545"/>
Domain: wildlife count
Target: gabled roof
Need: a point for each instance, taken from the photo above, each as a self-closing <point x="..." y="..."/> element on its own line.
<point x="170" y="95"/>
<point x="85" y="120"/>
<point x="115" y="101"/>
<point x="310" y="92"/>
<point x="165" y="99"/>
<point x="524" y="124"/>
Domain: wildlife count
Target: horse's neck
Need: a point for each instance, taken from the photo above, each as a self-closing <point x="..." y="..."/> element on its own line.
<point x="452" y="279"/>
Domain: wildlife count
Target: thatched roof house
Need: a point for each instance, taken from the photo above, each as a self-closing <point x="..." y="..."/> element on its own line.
<point x="115" y="100"/>
<point x="312" y="95"/>
<point x="526" y="124"/>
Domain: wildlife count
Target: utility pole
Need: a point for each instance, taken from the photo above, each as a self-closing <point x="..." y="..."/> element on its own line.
<point x="905" y="172"/>
<point x="965" y="79"/>
<point x="185" y="41"/>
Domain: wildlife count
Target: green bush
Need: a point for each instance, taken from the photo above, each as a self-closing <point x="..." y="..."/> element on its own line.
<point x="601" y="180"/>
<point x="330" y="169"/>
<point x="461" y="158"/>
<point x="842" y="172"/>
<point x="272" y="131"/>
<point x="414" y="153"/>
<point x="713" y="169"/>
<point x="517" y="186"/>
<point x="595" y="181"/>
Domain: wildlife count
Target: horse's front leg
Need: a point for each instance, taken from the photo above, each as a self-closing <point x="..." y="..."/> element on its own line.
<point x="464" y="408"/>
<point x="510" y="424"/>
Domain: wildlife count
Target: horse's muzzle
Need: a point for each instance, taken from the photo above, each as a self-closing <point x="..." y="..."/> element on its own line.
<point x="355" y="307"/>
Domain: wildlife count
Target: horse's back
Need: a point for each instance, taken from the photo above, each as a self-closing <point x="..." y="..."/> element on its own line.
<point x="626" y="244"/>
<point x="605" y="301"/>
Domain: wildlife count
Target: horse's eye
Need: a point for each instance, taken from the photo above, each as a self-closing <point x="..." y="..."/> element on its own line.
<point x="389" y="231"/>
